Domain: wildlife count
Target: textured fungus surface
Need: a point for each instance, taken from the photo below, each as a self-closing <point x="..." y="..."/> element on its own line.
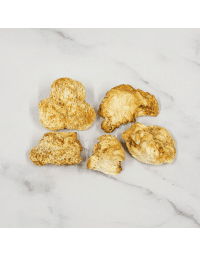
<point x="150" y="144"/>
<point x="123" y="104"/>
<point x="66" y="107"/>
<point x="58" y="149"/>
<point x="107" y="157"/>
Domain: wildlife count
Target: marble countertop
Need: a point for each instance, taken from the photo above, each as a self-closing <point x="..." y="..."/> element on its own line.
<point x="163" y="62"/>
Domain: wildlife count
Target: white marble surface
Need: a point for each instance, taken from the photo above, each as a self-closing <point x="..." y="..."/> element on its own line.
<point x="163" y="62"/>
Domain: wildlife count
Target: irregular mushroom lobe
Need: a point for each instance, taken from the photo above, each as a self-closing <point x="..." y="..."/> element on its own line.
<point x="51" y="114"/>
<point x="149" y="104"/>
<point x="64" y="89"/>
<point x="66" y="107"/>
<point x="57" y="149"/>
<point x="108" y="153"/>
<point x="124" y="104"/>
<point x="117" y="110"/>
<point x="152" y="145"/>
